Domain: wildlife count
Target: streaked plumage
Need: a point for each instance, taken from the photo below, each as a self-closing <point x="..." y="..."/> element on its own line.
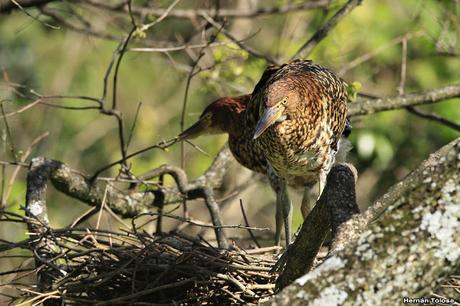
<point x="297" y="147"/>
<point x="304" y="143"/>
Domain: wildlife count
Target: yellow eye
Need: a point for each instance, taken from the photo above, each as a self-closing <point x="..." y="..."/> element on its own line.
<point x="284" y="101"/>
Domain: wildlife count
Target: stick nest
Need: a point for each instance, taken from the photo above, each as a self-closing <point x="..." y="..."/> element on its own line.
<point x="137" y="268"/>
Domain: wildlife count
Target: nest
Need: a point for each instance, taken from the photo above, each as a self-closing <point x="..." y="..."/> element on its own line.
<point x="137" y="268"/>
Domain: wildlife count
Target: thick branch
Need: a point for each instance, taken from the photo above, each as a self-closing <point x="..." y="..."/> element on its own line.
<point x="336" y="205"/>
<point x="370" y="106"/>
<point x="38" y="224"/>
<point x="408" y="250"/>
<point x="129" y="203"/>
<point x="79" y="187"/>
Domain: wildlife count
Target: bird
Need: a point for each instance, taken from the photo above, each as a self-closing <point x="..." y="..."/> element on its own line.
<point x="301" y="115"/>
<point x="246" y="119"/>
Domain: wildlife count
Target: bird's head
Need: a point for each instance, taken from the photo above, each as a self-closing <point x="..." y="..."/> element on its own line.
<point x="275" y="107"/>
<point x="218" y="117"/>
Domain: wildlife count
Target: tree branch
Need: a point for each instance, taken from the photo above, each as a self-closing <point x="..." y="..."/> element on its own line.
<point x="230" y="13"/>
<point x="433" y="117"/>
<point x="370" y="106"/>
<point x="9" y="6"/>
<point x="336" y="205"/>
<point x="409" y="249"/>
<point x="307" y="47"/>
<point x="130" y="203"/>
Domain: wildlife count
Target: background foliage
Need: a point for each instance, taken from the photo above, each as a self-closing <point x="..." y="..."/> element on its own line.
<point x="366" y="47"/>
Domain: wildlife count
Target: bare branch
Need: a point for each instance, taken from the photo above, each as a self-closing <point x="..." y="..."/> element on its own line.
<point x="306" y="49"/>
<point x="250" y="50"/>
<point x="9" y="6"/>
<point x="433" y="117"/>
<point x="231" y="13"/>
<point x="370" y="106"/>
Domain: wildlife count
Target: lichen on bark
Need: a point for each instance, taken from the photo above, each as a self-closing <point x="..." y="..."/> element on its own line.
<point x="407" y="251"/>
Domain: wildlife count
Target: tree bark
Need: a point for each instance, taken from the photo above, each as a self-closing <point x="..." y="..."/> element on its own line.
<point x="406" y="252"/>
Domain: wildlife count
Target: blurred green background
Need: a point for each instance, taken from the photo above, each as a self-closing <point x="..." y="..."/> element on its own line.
<point x="365" y="47"/>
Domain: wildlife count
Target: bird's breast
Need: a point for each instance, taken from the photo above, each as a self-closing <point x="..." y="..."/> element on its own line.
<point x="296" y="149"/>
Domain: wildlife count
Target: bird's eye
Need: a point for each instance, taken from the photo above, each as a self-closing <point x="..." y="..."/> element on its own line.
<point x="284" y="101"/>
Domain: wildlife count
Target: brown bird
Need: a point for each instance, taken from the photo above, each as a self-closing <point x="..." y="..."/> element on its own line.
<point x="227" y="115"/>
<point x="301" y="111"/>
<point x="290" y="107"/>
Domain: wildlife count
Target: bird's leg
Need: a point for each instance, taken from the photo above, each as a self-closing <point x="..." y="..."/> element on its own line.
<point x="287" y="212"/>
<point x="279" y="219"/>
<point x="283" y="206"/>
<point x="321" y="182"/>
<point x="276" y="183"/>
<point x="306" y="206"/>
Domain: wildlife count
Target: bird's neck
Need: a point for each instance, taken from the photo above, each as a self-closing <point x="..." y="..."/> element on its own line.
<point x="233" y="124"/>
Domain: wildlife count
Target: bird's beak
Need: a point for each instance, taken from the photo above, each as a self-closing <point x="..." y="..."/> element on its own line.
<point x="194" y="131"/>
<point x="270" y="116"/>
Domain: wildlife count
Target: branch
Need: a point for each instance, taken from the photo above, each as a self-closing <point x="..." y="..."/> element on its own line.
<point x="410" y="248"/>
<point x="10" y="6"/>
<point x="433" y="117"/>
<point x="239" y="42"/>
<point x="370" y="106"/>
<point x="130" y="203"/>
<point x="231" y="13"/>
<point x="38" y="224"/>
<point x="307" y="47"/>
<point x="336" y="205"/>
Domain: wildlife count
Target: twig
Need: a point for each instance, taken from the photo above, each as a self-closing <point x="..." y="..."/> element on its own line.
<point x="81" y="30"/>
<point x="367" y="56"/>
<point x="433" y="117"/>
<point x="8" y="134"/>
<point x="165" y="14"/>
<point x="402" y="81"/>
<point x="176" y="48"/>
<point x="3" y="187"/>
<point x="307" y="47"/>
<point x="196" y="222"/>
<point x="22" y="109"/>
<point x="191" y="74"/>
<point x="236" y="283"/>
<point x="160" y="201"/>
<point x="101" y="208"/>
<point x="161" y="145"/>
<point x="133" y="126"/>
<point x="239" y="42"/>
<point x="247" y="224"/>
<point x="19" y="6"/>
<point x="145" y="292"/>
<point x="23" y="159"/>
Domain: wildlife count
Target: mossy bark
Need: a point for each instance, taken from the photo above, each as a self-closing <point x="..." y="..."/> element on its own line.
<point x="411" y="245"/>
